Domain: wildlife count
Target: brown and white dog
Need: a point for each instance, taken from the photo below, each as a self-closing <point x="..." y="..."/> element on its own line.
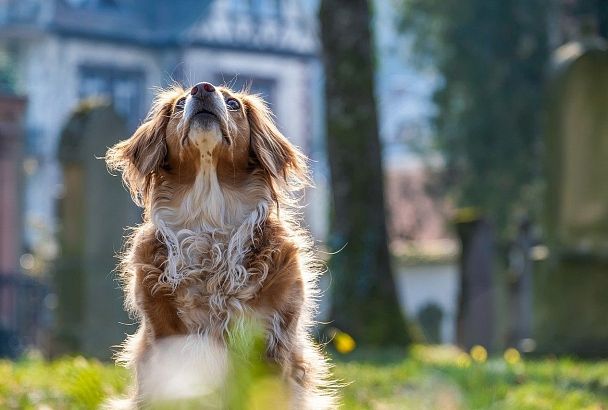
<point x="221" y="240"/>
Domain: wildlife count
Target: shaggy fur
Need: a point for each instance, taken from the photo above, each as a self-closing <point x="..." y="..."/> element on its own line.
<point x="221" y="241"/>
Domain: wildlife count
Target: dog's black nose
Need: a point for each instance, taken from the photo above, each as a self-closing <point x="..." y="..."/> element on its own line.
<point x="202" y="87"/>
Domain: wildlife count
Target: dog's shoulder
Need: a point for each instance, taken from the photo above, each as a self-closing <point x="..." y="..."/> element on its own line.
<point x="145" y="241"/>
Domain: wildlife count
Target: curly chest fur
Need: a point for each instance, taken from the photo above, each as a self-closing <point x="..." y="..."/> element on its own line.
<point x="207" y="280"/>
<point x="219" y="282"/>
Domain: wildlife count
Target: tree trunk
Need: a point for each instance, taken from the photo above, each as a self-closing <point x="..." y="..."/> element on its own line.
<point x="364" y="297"/>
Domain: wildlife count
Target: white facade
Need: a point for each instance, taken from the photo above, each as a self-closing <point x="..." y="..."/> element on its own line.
<point x="273" y="45"/>
<point x="423" y="285"/>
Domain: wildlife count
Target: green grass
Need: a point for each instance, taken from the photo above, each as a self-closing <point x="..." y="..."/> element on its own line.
<point x="426" y="378"/>
<point x="68" y="383"/>
<point x="445" y="378"/>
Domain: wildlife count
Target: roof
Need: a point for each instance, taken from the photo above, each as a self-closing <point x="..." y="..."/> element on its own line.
<point x="161" y="23"/>
<point x="151" y="22"/>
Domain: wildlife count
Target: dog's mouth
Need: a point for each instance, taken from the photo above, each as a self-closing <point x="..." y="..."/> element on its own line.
<point x="205" y="117"/>
<point x="206" y="113"/>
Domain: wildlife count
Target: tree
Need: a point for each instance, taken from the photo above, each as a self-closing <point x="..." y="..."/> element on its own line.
<point x="364" y="297"/>
<point x="492" y="56"/>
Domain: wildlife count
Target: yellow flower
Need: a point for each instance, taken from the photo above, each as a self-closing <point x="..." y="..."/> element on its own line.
<point x="466" y="215"/>
<point x="344" y="342"/>
<point x="479" y="354"/>
<point x="512" y="356"/>
<point x="463" y="360"/>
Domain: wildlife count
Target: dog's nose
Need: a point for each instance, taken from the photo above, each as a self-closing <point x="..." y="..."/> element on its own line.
<point x="202" y="87"/>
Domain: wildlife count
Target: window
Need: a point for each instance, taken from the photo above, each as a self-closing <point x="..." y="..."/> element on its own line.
<point x="123" y="88"/>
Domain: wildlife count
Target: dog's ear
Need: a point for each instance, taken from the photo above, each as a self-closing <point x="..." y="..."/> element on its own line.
<point x="141" y="155"/>
<point x="280" y="160"/>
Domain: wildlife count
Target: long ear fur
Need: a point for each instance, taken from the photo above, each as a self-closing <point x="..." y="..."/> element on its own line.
<point x="141" y="155"/>
<point x="283" y="163"/>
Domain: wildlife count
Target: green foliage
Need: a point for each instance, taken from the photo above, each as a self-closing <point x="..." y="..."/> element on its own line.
<point x="255" y="383"/>
<point x="8" y="75"/>
<point x="491" y="56"/>
<point x="425" y="378"/>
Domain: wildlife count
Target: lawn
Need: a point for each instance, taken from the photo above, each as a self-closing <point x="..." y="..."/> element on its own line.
<point x="425" y="378"/>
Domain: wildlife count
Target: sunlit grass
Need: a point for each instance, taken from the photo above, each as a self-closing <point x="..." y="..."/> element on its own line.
<point x="67" y="383"/>
<point x="426" y="378"/>
<point x="447" y="378"/>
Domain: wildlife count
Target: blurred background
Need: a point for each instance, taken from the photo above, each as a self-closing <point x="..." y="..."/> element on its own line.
<point x="458" y="150"/>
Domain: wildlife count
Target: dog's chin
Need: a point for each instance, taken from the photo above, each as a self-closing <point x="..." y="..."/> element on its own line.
<point x="207" y="123"/>
<point x="205" y="132"/>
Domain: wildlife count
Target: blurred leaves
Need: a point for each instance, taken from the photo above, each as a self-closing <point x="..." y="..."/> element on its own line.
<point x="8" y="73"/>
<point x="491" y="55"/>
<point x="254" y="383"/>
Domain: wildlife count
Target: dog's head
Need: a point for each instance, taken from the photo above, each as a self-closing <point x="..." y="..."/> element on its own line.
<point x="207" y="128"/>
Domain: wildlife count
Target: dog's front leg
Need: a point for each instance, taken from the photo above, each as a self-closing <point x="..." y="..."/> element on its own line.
<point x="288" y="343"/>
<point x="291" y="347"/>
<point x="282" y="340"/>
<point x="153" y="300"/>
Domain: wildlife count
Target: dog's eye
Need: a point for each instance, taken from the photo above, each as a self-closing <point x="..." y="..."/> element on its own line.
<point x="233" y="104"/>
<point x="179" y="105"/>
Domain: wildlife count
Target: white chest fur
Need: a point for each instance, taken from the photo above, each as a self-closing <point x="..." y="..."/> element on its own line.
<point x="208" y="238"/>
<point x="184" y="367"/>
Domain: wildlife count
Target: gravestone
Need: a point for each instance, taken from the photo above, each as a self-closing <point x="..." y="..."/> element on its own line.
<point x="571" y="290"/>
<point x="475" y="321"/>
<point x="520" y="286"/>
<point x="93" y="214"/>
<point x="429" y="318"/>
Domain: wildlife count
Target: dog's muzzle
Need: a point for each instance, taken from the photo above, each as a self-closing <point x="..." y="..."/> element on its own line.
<point x="205" y="109"/>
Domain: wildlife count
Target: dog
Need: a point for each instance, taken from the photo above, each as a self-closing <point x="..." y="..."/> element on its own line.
<point x="221" y="241"/>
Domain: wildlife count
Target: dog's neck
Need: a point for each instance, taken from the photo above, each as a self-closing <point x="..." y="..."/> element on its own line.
<point x="208" y="215"/>
<point x="204" y="206"/>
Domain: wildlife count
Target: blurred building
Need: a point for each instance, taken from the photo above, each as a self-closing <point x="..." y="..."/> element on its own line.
<point x="68" y="50"/>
